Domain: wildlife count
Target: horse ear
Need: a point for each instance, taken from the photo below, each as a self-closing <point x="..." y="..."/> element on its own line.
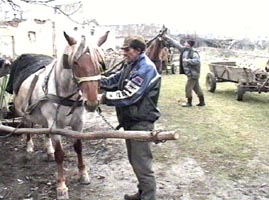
<point x="71" y="41"/>
<point x="102" y="39"/>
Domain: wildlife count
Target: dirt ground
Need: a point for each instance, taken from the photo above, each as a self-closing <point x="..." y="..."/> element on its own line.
<point x="31" y="177"/>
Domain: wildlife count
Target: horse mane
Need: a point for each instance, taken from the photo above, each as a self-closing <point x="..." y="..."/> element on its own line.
<point x="96" y="53"/>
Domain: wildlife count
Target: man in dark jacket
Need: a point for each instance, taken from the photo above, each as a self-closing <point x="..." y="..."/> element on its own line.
<point x="135" y="91"/>
<point x="190" y="66"/>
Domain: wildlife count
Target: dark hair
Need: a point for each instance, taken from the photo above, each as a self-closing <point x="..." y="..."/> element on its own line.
<point x="191" y="42"/>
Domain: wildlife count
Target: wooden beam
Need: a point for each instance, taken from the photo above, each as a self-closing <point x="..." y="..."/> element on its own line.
<point x="95" y="135"/>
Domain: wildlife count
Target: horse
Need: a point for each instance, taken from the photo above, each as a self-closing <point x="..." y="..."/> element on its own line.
<point x="166" y="57"/>
<point x="154" y="50"/>
<point x="267" y="66"/>
<point x="58" y="95"/>
<point x="4" y="67"/>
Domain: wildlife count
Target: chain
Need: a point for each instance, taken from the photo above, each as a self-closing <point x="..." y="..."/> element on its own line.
<point x="153" y="133"/>
<point x="99" y="111"/>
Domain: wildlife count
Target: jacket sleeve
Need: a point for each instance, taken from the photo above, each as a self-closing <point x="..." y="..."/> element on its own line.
<point x="195" y="60"/>
<point x="134" y="89"/>
<point x="110" y="82"/>
<point x="175" y="43"/>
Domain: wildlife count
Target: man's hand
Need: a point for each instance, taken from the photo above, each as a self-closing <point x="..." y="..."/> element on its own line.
<point x="100" y="98"/>
<point x="186" y="60"/>
<point x="7" y="62"/>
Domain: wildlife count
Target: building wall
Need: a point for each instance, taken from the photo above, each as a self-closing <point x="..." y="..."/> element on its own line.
<point x="26" y="37"/>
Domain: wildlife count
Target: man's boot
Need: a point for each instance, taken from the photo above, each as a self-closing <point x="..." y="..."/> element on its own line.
<point x="136" y="196"/>
<point x="201" y="101"/>
<point x="188" y="104"/>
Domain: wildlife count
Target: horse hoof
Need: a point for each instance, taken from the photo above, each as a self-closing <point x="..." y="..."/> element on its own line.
<point x="29" y="149"/>
<point x="85" y="179"/>
<point x="62" y="193"/>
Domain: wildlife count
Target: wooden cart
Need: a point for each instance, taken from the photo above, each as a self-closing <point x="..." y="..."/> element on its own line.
<point x="248" y="80"/>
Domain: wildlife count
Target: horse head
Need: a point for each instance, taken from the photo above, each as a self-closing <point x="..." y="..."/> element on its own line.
<point x="267" y="66"/>
<point x="87" y="63"/>
<point x="4" y="67"/>
<point x="154" y="50"/>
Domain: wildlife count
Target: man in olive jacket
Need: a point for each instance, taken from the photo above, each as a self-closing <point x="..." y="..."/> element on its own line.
<point x="190" y="65"/>
<point x="134" y="91"/>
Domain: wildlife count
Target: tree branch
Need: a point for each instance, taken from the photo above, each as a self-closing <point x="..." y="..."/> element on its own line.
<point x="135" y="135"/>
<point x="46" y="3"/>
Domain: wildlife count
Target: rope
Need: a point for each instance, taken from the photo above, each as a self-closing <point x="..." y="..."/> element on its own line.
<point x="16" y="128"/>
<point x="155" y="134"/>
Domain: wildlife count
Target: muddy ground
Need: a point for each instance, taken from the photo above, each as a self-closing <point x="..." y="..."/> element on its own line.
<point x="31" y="177"/>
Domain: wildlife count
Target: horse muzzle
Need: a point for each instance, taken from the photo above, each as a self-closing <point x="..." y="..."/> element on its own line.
<point x="91" y="106"/>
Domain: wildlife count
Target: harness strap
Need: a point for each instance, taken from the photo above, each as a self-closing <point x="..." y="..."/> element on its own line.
<point x="46" y="81"/>
<point x="64" y="101"/>
<point x="76" y="104"/>
<point x="30" y="91"/>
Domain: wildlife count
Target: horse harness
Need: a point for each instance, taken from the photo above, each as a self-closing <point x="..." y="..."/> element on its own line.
<point x="61" y="101"/>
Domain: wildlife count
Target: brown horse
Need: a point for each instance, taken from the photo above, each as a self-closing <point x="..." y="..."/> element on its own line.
<point x="155" y="48"/>
<point x="57" y="96"/>
<point x="4" y="66"/>
<point x="166" y="57"/>
<point x="267" y="66"/>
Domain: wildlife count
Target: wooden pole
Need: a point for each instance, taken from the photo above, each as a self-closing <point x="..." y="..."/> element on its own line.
<point x="95" y="135"/>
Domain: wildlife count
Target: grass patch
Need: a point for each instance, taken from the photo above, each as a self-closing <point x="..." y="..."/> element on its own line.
<point x="226" y="134"/>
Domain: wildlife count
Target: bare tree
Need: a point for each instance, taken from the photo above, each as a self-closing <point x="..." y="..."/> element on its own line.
<point x="57" y="5"/>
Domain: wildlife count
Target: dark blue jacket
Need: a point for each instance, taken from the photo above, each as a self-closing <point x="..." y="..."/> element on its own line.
<point x="134" y="91"/>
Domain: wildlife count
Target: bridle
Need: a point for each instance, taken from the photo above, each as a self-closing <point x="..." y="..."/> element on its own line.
<point x="79" y="80"/>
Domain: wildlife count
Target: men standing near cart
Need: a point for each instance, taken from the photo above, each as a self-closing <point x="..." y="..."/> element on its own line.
<point x="190" y="65"/>
<point x="135" y="91"/>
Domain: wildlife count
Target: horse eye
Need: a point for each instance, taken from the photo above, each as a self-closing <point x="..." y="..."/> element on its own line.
<point x="76" y="64"/>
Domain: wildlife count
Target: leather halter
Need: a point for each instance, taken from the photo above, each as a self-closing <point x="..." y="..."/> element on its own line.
<point x="86" y="78"/>
<point x="77" y="79"/>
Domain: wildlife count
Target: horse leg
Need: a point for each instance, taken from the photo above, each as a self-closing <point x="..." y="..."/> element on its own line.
<point x="62" y="190"/>
<point x="29" y="143"/>
<point x="84" y="177"/>
<point x="29" y="140"/>
<point x="49" y="148"/>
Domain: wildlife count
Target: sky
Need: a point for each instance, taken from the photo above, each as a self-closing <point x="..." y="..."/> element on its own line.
<point x="230" y="18"/>
<point x="238" y="18"/>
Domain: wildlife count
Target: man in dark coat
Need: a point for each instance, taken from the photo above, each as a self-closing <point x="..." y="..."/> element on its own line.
<point x="134" y="91"/>
<point x="190" y="65"/>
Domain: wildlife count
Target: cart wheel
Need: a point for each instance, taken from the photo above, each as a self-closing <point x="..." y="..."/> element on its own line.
<point x="240" y="93"/>
<point x="211" y="82"/>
